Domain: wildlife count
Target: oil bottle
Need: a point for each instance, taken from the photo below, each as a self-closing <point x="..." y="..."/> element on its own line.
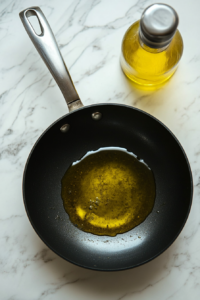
<point x="152" y="47"/>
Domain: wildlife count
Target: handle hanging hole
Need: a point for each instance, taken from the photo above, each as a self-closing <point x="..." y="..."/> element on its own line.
<point x="34" y="22"/>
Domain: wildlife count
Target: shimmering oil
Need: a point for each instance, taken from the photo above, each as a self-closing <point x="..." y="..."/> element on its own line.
<point x="108" y="191"/>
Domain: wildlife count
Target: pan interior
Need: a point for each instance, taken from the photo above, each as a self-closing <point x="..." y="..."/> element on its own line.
<point x="120" y="126"/>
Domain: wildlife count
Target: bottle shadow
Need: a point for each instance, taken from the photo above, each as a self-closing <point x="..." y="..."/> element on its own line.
<point x="148" y="98"/>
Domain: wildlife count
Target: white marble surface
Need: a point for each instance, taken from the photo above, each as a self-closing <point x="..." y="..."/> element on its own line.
<point x="89" y="33"/>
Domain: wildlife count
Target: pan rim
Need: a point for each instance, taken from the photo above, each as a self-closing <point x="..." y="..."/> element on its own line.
<point x="96" y="268"/>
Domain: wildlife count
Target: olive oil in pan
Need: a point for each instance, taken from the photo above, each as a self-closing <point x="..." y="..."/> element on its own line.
<point x="108" y="191"/>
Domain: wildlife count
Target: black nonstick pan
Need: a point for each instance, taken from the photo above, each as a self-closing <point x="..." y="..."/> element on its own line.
<point x="90" y="128"/>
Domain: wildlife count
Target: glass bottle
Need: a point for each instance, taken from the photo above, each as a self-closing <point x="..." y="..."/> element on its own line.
<point x="152" y="47"/>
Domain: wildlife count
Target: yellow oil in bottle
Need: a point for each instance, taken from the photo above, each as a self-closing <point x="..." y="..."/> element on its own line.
<point x="148" y="66"/>
<point x="108" y="192"/>
<point x="152" y="47"/>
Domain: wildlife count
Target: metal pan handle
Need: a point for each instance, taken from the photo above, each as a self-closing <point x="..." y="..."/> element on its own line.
<point x="47" y="47"/>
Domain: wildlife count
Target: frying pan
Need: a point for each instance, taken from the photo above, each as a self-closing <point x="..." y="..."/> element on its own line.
<point x="89" y="128"/>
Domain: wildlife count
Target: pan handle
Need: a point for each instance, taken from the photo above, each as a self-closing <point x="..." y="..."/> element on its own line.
<point x="47" y="47"/>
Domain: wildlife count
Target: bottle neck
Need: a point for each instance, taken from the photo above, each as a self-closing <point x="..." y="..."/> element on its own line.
<point x="150" y="49"/>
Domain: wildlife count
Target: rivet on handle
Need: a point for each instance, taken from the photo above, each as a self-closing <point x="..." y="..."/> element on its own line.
<point x="96" y="116"/>
<point x="64" y="128"/>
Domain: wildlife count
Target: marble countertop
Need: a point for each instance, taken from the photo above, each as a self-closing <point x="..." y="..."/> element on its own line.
<point x="89" y="33"/>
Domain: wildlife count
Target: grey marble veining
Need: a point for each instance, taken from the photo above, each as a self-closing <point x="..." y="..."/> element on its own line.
<point x="89" y="33"/>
